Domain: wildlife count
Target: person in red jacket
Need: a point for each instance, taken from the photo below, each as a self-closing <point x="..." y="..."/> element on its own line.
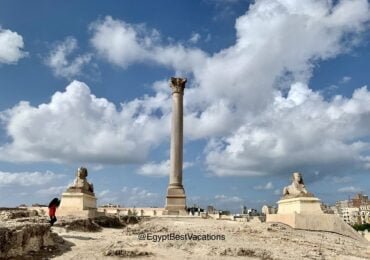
<point x="52" y="210"/>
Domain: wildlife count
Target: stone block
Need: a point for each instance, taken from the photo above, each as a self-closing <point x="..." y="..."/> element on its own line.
<point x="77" y="204"/>
<point x="175" y="201"/>
<point x="310" y="205"/>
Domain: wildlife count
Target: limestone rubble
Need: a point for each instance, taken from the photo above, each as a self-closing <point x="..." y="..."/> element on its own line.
<point x="22" y="233"/>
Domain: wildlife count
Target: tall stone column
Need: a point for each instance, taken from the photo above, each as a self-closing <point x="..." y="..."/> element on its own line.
<point x="176" y="199"/>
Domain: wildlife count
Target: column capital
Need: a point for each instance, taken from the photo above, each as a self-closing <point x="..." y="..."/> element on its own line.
<point x="177" y="85"/>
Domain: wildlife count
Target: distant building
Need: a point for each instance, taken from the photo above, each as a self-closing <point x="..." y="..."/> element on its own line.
<point x="355" y="210"/>
<point x="211" y="209"/>
<point x="327" y="209"/>
<point x="359" y="199"/>
<point x="224" y="212"/>
<point x="195" y="210"/>
<point x="365" y="213"/>
<point x="334" y="209"/>
<point x="266" y="209"/>
<point x="110" y="205"/>
<point x="132" y="211"/>
<point x="351" y="215"/>
<point x="252" y="212"/>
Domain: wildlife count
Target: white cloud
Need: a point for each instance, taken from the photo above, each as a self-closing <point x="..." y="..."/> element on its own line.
<point x="195" y="37"/>
<point x="345" y="80"/>
<point x="103" y="193"/>
<point x="228" y="199"/>
<point x="236" y="97"/>
<point x="275" y="40"/>
<point x="97" y="167"/>
<point x="297" y="131"/>
<point x="124" y="44"/>
<point x="75" y="126"/>
<point x="349" y="189"/>
<point x="108" y="196"/>
<point x="366" y="161"/>
<point x="159" y="169"/>
<point x="27" y="178"/>
<point x="267" y="186"/>
<point x="54" y="191"/>
<point x="138" y="196"/>
<point x="59" y="63"/>
<point x="155" y="169"/>
<point x="11" y="45"/>
<point x="343" y="179"/>
<point x="119" y="42"/>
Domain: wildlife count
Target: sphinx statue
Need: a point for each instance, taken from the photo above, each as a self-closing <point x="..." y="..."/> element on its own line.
<point x="80" y="183"/>
<point x="297" y="188"/>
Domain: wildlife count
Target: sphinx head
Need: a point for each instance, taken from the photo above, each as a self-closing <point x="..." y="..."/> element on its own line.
<point x="297" y="178"/>
<point x="82" y="173"/>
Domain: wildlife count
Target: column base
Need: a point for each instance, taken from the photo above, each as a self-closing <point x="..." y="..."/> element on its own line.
<point x="175" y="201"/>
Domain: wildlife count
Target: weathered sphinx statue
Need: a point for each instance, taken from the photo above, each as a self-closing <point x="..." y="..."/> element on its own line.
<point x="80" y="183"/>
<point x="297" y="188"/>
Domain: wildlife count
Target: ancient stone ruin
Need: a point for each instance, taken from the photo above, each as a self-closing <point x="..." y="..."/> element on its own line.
<point x="79" y="199"/>
<point x="300" y="209"/>
<point x="176" y="199"/>
<point x="23" y="232"/>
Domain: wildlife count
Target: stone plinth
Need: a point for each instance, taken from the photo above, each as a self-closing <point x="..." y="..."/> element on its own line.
<point x="309" y="205"/>
<point x="77" y="204"/>
<point x="175" y="201"/>
<point x="305" y="213"/>
<point x="316" y="222"/>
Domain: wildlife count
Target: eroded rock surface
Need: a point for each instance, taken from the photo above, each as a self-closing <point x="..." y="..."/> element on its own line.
<point x="23" y="234"/>
<point x="16" y="213"/>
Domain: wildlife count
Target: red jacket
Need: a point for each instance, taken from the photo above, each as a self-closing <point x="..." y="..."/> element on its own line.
<point x="52" y="211"/>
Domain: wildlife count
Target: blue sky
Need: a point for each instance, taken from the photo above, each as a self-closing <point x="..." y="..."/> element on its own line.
<point x="273" y="87"/>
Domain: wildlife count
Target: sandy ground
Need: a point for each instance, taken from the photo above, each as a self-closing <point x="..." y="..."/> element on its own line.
<point x="241" y="239"/>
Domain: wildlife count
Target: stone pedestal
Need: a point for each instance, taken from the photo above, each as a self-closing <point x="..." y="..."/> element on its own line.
<point x="175" y="201"/>
<point x="305" y="213"/>
<point x="301" y="205"/>
<point x="77" y="204"/>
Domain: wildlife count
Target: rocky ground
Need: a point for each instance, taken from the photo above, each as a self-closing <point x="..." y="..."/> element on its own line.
<point x="241" y="239"/>
<point x="25" y="235"/>
<point x="30" y="237"/>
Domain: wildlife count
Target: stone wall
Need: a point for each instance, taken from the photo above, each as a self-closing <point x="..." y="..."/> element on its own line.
<point x="141" y="212"/>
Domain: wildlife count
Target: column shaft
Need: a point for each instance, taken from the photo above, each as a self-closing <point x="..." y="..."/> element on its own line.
<point x="176" y="157"/>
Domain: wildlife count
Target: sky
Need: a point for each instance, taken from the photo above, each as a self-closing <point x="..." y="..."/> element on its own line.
<point x="274" y="87"/>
